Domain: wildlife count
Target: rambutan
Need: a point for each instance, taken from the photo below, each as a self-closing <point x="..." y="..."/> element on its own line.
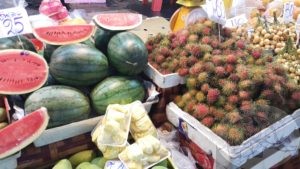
<point x="235" y="135"/>
<point x="262" y="102"/>
<point x="262" y="115"/>
<point x="200" y="97"/>
<point x="165" y="42"/>
<point x="149" y="47"/>
<point x="191" y="83"/>
<point x="250" y="130"/>
<point x="215" y="43"/>
<point x="267" y="94"/>
<point x="233" y="117"/>
<point x="183" y="62"/>
<point x="208" y="23"/>
<point x="231" y="59"/>
<point x="209" y="67"/>
<point x="183" y="71"/>
<point x="243" y="74"/>
<point x="216" y="52"/>
<point x="189" y="107"/>
<point x="206" y="31"/>
<point x="218" y="60"/>
<point x="192" y="60"/>
<point x="246" y="106"/>
<point x="278" y="88"/>
<point x="296" y="96"/>
<point x="187" y="96"/>
<point x="200" y="111"/>
<point x="202" y="77"/>
<point x="196" y="51"/>
<point x="165" y="71"/>
<point x="228" y="44"/>
<point x="192" y="92"/>
<point x="221" y="101"/>
<point x="229" y="68"/>
<point x="244" y="95"/>
<point x="234" y="77"/>
<point x="159" y="59"/>
<point x="206" y="48"/>
<point x="208" y="121"/>
<point x="229" y="88"/>
<point x="256" y="53"/>
<point x="188" y="47"/>
<point x="241" y="44"/>
<point x="246" y="85"/>
<point x="221" y="130"/>
<point x="206" y="40"/>
<point x="229" y="107"/>
<point x="226" y="32"/>
<point x="212" y="95"/>
<point x="233" y="99"/>
<point x="219" y="114"/>
<point x="184" y="53"/>
<point x="205" y="87"/>
<point x="220" y="71"/>
<point x="164" y="65"/>
<point x="193" y="38"/>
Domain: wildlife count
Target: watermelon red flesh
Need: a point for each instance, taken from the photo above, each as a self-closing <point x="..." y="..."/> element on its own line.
<point x="118" y="21"/>
<point x="21" y="133"/>
<point x="21" y="71"/>
<point x="64" y="34"/>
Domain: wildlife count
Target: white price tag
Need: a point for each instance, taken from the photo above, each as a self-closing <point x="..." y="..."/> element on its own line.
<point x="114" y="164"/>
<point x="288" y="9"/>
<point x="236" y="21"/>
<point x="216" y="11"/>
<point x="14" y="21"/>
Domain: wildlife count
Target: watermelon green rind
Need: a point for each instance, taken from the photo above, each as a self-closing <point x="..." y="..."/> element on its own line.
<point x="48" y="50"/>
<point x="15" y="43"/>
<point x="37" y="65"/>
<point x="78" y="65"/>
<point x="13" y="138"/>
<point x="118" y="28"/>
<point x="102" y="38"/>
<point x="127" y="53"/>
<point x="46" y="34"/>
<point x="116" y="90"/>
<point x="65" y="104"/>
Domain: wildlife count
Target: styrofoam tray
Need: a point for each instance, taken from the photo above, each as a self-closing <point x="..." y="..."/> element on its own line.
<point x="163" y="81"/>
<point x="10" y="162"/>
<point x="227" y="156"/>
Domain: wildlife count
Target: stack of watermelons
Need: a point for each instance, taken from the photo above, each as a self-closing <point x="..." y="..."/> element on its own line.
<point x="85" y="77"/>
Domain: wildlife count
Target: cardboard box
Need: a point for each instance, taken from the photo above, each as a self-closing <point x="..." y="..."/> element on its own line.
<point x="283" y="134"/>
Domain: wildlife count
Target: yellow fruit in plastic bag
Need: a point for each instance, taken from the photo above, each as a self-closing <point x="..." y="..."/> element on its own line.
<point x="75" y="21"/>
<point x="297" y="3"/>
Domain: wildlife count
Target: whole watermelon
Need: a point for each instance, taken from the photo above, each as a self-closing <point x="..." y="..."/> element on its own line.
<point x="64" y="104"/>
<point x="78" y="65"/>
<point x="116" y="90"/>
<point x="102" y="38"/>
<point x="16" y="43"/>
<point x="127" y="53"/>
<point x="48" y="50"/>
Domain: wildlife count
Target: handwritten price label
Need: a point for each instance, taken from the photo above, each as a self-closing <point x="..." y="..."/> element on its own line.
<point x="288" y="10"/>
<point x="236" y="21"/>
<point x="14" y="21"/>
<point x="216" y="11"/>
<point x="114" y="164"/>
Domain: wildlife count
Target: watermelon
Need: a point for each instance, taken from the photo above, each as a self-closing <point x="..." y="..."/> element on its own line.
<point x="16" y="43"/>
<point x="116" y="90"/>
<point x="21" y="71"/>
<point x="48" y="50"/>
<point x="64" y="104"/>
<point x="21" y="133"/>
<point x="118" y="21"/>
<point x="127" y="53"/>
<point x="102" y="38"/>
<point x="64" y="34"/>
<point x="78" y="65"/>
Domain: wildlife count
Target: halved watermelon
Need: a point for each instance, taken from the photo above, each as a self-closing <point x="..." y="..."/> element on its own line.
<point x="64" y="34"/>
<point x="118" y="21"/>
<point x="21" y="71"/>
<point x="21" y="133"/>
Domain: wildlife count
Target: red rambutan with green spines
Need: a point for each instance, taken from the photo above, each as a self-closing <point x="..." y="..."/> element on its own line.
<point x="220" y="71"/>
<point x="149" y="47"/>
<point x="196" y="51"/>
<point x="260" y="62"/>
<point x="231" y="59"/>
<point x="155" y="65"/>
<point x="200" y="97"/>
<point x="221" y="130"/>
<point x="233" y="117"/>
<point x="202" y="77"/>
<point x="243" y="74"/>
<point x="256" y="53"/>
<point x="221" y="101"/>
<point x="229" y="68"/>
<point x="226" y="51"/>
<point x="206" y="48"/>
<point x="209" y="67"/>
<point x="189" y="107"/>
<point x="251" y="130"/>
<point x="164" y="65"/>
<point x="296" y="96"/>
<point x="171" y="35"/>
<point x="193" y="38"/>
<point x="226" y="32"/>
<point x="219" y="114"/>
<point x="228" y="44"/>
<point x="159" y="59"/>
<point x="235" y="135"/>
<point x="183" y="71"/>
<point x="229" y="88"/>
<point x="165" y="42"/>
<point x="165" y="71"/>
<point x="175" y="43"/>
<point x="191" y="83"/>
<point x="244" y="95"/>
<point x="233" y="99"/>
<point x="208" y="23"/>
<point x="192" y="60"/>
<point x="216" y="52"/>
<point x="234" y="77"/>
<point x="241" y="44"/>
<point x="192" y="92"/>
<point x="208" y="121"/>
<point x="183" y="62"/>
<point x="200" y="111"/>
<point x="207" y="57"/>
<point x="267" y="94"/>
<point x="205" y="87"/>
<point x="262" y="102"/>
<point x="221" y="82"/>
<point x="262" y="115"/>
<point x="278" y="88"/>
<point x="250" y="61"/>
<point x="206" y="31"/>
<point x="246" y="106"/>
<point x="246" y="85"/>
<point x="164" y="51"/>
<point x="229" y="107"/>
<point x="218" y="60"/>
<point x="206" y="40"/>
<point x="215" y="43"/>
<point x="212" y="95"/>
<point x="184" y="53"/>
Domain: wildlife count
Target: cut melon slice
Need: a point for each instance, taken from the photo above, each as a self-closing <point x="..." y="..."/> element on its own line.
<point x="118" y="21"/>
<point x="21" y="71"/>
<point x="21" y="133"/>
<point x="64" y="34"/>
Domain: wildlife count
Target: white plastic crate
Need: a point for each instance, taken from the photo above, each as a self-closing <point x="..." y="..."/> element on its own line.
<point x="227" y="156"/>
<point x="163" y="81"/>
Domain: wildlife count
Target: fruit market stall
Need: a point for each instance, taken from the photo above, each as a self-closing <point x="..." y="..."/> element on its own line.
<point x="116" y="89"/>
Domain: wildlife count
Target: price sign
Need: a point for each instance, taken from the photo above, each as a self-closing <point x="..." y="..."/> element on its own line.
<point x="288" y="9"/>
<point x="84" y="1"/>
<point x="114" y="164"/>
<point x="14" y="21"/>
<point x="216" y="11"/>
<point x="236" y="21"/>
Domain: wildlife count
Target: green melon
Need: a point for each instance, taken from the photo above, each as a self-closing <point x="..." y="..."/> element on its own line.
<point x="78" y="65"/>
<point x="64" y="104"/>
<point x="116" y="90"/>
<point x="127" y="53"/>
<point x="15" y="43"/>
